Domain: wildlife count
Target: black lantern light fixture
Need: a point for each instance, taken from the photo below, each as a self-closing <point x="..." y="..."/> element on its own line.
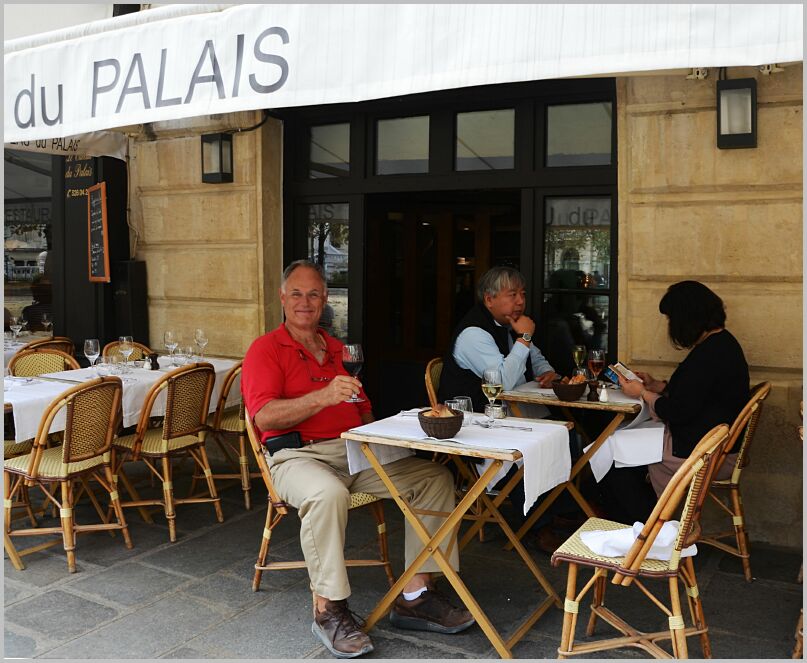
<point x="217" y="158"/>
<point x="736" y="112"/>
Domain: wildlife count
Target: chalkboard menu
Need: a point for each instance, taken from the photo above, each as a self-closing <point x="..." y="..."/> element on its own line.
<point x="98" y="237"/>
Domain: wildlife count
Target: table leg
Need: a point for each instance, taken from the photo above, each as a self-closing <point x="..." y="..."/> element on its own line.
<point x="569" y="485"/>
<point x="431" y="549"/>
<point x="12" y="553"/>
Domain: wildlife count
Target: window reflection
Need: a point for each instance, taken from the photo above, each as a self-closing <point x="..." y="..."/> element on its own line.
<point x="402" y="145"/>
<point x="485" y="140"/>
<point x="27" y="235"/>
<point x="573" y="319"/>
<point x="328" y="247"/>
<point x="579" y="134"/>
<point x="329" y="151"/>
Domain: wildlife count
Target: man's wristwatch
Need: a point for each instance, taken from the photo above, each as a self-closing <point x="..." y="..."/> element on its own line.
<point x="526" y="337"/>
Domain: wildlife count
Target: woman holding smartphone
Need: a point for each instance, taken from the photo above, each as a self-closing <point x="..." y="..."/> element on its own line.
<point x="709" y="387"/>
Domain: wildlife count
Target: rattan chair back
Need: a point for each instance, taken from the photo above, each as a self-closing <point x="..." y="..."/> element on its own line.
<point x="188" y="399"/>
<point x="758" y="394"/>
<point x="53" y="343"/>
<point x="30" y="363"/>
<point x="113" y="349"/>
<point x="93" y="412"/>
<point x="434" y="369"/>
<point x="219" y="420"/>
<point x="263" y="466"/>
<point x="690" y="483"/>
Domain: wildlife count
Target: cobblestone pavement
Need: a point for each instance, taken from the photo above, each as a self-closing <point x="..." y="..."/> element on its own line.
<point x="193" y="598"/>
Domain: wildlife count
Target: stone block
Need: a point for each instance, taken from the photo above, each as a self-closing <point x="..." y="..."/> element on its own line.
<point x="716" y="240"/>
<point x="146" y="633"/>
<point x="129" y="584"/>
<point x="59" y="615"/>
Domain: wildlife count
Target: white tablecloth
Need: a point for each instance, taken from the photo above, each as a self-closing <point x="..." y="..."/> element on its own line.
<point x="638" y="443"/>
<point x="10" y="348"/>
<point x="29" y="399"/>
<point x="544" y="448"/>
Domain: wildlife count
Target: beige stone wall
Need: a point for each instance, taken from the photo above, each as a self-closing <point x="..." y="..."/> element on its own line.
<point x="733" y="220"/>
<point x="205" y="245"/>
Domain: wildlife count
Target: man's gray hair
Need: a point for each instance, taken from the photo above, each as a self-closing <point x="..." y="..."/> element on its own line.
<point x="303" y="263"/>
<point x="496" y="279"/>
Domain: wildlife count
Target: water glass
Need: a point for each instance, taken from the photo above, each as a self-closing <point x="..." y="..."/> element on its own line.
<point x="92" y="348"/>
<point x="201" y="341"/>
<point x="465" y="404"/>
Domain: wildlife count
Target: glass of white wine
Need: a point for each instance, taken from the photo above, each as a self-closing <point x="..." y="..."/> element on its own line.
<point x="492" y="386"/>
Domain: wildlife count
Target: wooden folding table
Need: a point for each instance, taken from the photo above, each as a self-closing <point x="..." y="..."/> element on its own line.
<point x="620" y="408"/>
<point x="461" y="453"/>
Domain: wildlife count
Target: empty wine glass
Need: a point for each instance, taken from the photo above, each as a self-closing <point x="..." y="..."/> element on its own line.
<point x="201" y="341"/>
<point x="15" y="326"/>
<point x="126" y="348"/>
<point x="23" y="322"/>
<point x="92" y="348"/>
<point x="171" y="341"/>
<point x="352" y="360"/>
<point x="47" y="323"/>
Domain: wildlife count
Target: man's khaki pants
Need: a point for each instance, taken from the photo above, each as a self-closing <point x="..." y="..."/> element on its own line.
<point x="316" y="482"/>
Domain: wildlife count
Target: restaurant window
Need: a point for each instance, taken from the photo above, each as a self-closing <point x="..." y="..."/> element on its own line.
<point x="485" y="140"/>
<point x="329" y="151"/>
<point x="328" y="247"/>
<point x="402" y="145"/>
<point x="579" y="134"/>
<point x="577" y="264"/>
<point x="28" y="244"/>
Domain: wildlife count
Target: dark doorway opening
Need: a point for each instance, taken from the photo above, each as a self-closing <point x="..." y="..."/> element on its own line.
<point x="425" y="254"/>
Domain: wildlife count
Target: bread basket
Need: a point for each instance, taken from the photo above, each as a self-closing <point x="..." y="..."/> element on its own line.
<point x="568" y="392"/>
<point x="441" y="428"/>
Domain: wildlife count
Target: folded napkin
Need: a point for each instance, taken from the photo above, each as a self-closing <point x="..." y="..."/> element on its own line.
<point x="616" y="543"/>
<point x="29" y="401"/>
<point x="544" y="448"/>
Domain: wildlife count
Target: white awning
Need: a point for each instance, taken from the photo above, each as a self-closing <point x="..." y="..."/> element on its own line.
<point x="126" y="71"/>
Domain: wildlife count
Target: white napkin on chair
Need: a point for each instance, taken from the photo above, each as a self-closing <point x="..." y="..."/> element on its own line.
<point x="616" y="543"/>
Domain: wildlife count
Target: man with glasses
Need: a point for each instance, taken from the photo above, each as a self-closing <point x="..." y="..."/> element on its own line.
<point x="293" y="381"/>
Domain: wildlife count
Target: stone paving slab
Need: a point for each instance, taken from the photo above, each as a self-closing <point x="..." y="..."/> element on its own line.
<point x="129" y="584"/>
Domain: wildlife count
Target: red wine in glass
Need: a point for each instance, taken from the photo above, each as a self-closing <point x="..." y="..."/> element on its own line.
<point x="353" y="360"/>
<point x="596" y="362"/>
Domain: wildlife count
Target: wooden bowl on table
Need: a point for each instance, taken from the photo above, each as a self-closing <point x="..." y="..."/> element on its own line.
<point x="568" y="392"/>
<point x="441" y="428"/>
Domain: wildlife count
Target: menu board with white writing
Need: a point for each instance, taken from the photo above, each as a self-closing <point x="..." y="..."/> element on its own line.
<point x="97" y="239"/>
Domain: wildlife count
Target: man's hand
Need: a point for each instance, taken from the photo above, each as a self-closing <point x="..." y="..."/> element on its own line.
<point x="338" y="390"/>
<point x="545" y="379"/>
<point x="522" y="325"/>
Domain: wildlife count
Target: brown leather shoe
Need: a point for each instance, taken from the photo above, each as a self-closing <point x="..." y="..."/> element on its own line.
<point x="431" y="611"/>
<point x="340" y="632"/>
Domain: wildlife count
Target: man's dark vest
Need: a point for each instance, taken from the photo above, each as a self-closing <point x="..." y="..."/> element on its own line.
<point x="456" y="381"/>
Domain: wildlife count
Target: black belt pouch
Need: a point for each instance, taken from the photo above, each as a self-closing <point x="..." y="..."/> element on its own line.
<point x="290" y="440"/>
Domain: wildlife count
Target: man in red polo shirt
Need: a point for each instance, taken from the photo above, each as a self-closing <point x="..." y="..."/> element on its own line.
<point x="293" y="380"/>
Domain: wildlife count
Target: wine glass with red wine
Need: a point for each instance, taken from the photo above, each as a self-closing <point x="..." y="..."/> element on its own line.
<point x="353" y="360"/>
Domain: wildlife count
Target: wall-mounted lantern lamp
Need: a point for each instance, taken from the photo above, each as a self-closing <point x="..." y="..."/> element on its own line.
<point x="737" y="113"/>
<point x="217" y="158"/>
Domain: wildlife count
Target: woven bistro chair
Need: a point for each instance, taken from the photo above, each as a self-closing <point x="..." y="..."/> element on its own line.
<point x="689" y="482"/>
<point x="93" y="412"/>
<point x="434" y="369"/>
<point x="726" y="493"/>
<point x="187" y="392"/>
<point x="140" y="351"/>
<point x="277" y="509"/>
<point x="53" y="343"/>
<point x="30" y="363"/>
<point x="225" y="422"/>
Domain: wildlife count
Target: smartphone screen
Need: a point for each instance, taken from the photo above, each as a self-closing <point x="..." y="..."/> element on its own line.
<point x="609" y="374"/>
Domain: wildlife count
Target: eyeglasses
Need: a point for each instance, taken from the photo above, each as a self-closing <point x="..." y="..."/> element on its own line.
<point x="308" y="368"/>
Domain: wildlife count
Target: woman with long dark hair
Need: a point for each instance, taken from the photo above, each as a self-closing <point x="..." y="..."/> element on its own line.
<point x="709" y="387"/>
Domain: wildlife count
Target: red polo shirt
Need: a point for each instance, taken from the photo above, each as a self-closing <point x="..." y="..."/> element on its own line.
<point x="277" y="366"/>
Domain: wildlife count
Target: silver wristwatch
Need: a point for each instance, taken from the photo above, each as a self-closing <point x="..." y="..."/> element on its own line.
<point x="526" y="337"/>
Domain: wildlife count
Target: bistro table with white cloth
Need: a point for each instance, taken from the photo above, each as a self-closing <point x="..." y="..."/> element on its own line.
<point x="618" y="403"/>
<point x="11" y="347"/>
<point x="28" y="397"/>
<point x="544" y="450"/>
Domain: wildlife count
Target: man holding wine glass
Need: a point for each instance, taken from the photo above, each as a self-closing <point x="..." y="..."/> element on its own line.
<point x="297" y="387"/>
